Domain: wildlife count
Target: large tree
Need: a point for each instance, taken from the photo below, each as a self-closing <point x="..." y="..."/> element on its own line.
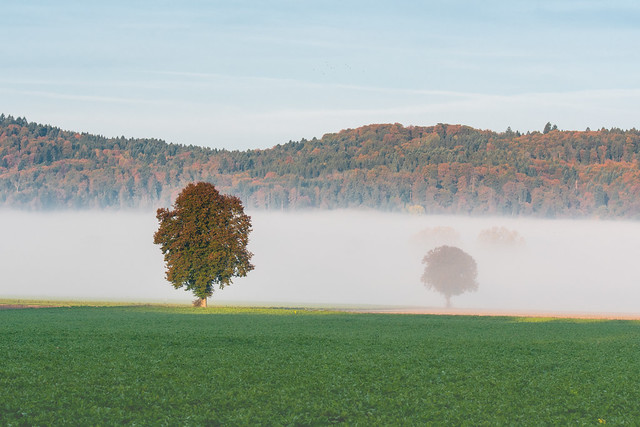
<point x="450" y="271"/>
<point x="204" y="240"/>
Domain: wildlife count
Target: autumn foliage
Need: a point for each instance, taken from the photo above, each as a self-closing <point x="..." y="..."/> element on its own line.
<point x="204" y="240"/>
<point x="441" y="169"/>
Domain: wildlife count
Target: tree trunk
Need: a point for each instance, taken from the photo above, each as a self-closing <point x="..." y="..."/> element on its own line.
<point x="448" y="297"/>
<point x="200" y="302"/>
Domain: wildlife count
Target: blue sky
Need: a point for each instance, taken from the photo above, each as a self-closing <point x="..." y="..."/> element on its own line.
<point x="252" y="74"/>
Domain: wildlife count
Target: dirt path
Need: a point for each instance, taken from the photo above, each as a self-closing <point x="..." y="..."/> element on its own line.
<point x="21" y="306"/>
<point x="510" y="313"/>
<point x="439" y="311"/>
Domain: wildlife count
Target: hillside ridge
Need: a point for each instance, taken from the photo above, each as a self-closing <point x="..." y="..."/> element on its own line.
<point x="451" y="169"/>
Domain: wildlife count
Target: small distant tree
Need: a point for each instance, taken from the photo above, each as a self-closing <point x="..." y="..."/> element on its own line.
<point x="204" y="240"/>
<point x="501" y="237"/>
<point x="450" y="271"/>
<point x="549" y="127"/>
<point x="431" y="237"/>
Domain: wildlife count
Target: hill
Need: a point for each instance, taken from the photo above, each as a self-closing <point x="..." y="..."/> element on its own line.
<point x="435" y="169"/>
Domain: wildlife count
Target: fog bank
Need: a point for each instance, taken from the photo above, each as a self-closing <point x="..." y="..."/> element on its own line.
<point x="331" y="258"/>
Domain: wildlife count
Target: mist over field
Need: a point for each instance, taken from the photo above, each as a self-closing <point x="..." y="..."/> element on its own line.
<point x="332" y="257"/>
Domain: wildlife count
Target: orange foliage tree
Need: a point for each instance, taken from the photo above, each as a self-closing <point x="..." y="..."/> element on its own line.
<point x="204" y="240"/>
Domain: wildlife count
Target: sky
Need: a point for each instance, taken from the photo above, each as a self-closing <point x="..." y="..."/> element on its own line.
<point x="253" y="74"/>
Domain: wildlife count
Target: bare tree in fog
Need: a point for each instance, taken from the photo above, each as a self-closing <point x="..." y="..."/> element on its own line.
<point x="450" y="271"/>
<point x="204" y="240"/>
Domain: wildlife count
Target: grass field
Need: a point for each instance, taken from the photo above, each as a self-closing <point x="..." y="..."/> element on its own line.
<point x="184" y="366"/>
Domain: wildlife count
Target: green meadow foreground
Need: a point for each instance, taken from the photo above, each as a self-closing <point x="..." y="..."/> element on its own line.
<point x="184" y="366"/>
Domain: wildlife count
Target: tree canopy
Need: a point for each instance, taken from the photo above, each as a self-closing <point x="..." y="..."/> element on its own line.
<point x="204" y="240"/>
<point x="450" y="271"/>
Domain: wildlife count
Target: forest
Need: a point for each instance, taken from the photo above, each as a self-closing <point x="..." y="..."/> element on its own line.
<point x="441" y="169"/>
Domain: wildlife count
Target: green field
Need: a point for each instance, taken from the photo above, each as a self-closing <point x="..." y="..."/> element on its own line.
<point x="184" y="366"/>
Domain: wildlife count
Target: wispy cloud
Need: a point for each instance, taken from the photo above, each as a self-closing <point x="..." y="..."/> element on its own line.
<point x="468" y="100"/>
<point x="66" y="96"/>
<point x="249" y="79"/>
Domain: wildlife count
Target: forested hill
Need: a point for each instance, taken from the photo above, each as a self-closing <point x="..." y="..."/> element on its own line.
<point x="437" y="169"/>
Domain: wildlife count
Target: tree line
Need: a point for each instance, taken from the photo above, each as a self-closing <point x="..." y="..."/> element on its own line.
<point x="436" y="169"/>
